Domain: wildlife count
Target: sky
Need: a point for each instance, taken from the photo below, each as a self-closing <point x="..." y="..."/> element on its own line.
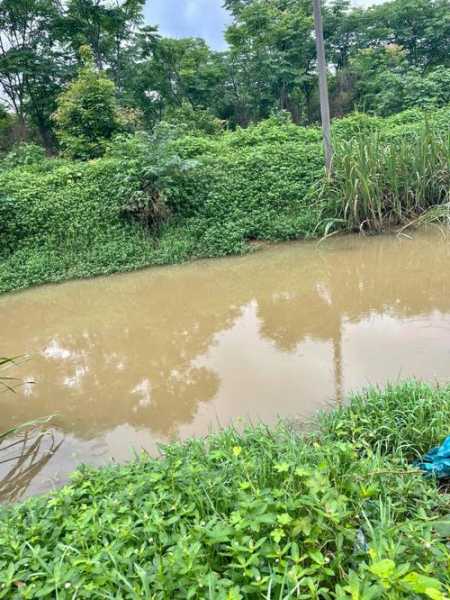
<point x="190" y="18"/>
<point x="196" y="18"/>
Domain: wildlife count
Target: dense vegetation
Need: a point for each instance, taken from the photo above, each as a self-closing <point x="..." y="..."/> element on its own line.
<point x="167" y="197"/>
<point x="383" y="59"/>
<point x="339" y="513"/>
<point x="164" y="150"/>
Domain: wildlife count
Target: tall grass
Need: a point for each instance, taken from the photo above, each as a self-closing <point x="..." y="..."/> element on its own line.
<point x="7" y="382"/>
<point x="408" y="418"/>
<point x="380" y="182"/>
<point x="436" y="215"/>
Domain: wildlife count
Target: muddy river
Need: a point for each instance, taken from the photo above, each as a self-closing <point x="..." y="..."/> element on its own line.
<point x="129" y="361"/>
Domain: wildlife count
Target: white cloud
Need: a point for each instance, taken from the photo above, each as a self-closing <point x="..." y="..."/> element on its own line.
<point x="189" y="18"/>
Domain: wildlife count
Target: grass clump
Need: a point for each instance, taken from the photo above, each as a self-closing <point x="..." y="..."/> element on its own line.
<point x="381" y="182"/>
<point x="406" y="418"/>
<point x="339" y="513"/>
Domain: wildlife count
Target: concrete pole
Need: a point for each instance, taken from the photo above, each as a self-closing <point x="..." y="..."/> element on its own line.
<point x="323" y="87"/>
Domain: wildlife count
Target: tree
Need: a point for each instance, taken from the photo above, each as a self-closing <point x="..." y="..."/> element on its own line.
<point x="380" y="59"/>
<point x="343" y="30"/>
<point x="375" y="74"/>
<point x="87" y="115"/>
<point x="31" y="69"/>
<point x="429" y="91"/>
<point x="420" y="27"/>
<point x="173" y="72"/>
<point x="107" y="27"/>
<point x="5" y="129"/>
<point x="385" y="83"/>
<point x="273" y="57"/>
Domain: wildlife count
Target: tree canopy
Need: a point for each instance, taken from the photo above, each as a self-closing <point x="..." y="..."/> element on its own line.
<point x="382" y="59"/>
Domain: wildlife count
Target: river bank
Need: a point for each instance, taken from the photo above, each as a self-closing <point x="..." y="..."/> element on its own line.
<point x="64" y="219"/>
<point x="338" y="513"/>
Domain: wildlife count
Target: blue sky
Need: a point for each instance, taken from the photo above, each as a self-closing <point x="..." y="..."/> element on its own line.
<point x="184" y="18"/>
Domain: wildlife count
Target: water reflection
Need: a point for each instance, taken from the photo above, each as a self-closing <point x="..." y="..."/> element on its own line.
<point x="22" y="458"/>
<point x="129" y="361"/>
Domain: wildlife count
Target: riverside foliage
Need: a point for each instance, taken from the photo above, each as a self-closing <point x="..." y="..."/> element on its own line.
<point x="168" y="197"/>
<point x="341" y="513"/>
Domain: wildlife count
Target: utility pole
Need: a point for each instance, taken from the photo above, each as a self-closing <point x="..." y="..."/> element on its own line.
<point x="323" y="87"/>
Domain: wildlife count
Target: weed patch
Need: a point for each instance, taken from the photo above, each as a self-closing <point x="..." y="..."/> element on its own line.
<point x="339" y="513"/>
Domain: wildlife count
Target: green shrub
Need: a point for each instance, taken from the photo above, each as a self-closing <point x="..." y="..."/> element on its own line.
<point x="148" y="175"/>
<point x="11" y="231"/>
<point x="23" y="155"/>
<point x="356" y="124"/>
<point x="64" y="206"/>
<point x="7" y="122"/>
<point x="87" y="115"/>
<point x="190" y="121"/>
<point x="389" y="420"/>
<point x="259" y="514"/>
<point x="275" y="130"/>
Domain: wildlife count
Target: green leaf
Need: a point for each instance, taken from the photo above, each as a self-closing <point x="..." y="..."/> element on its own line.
<point x="284" y="519"/>
<point x="434" y="594"/>
<point x="317" y="557"/>
<point x="282" y="467"/>
<point x="421" y="583"/>
<point x="384" y="569"/>
<point x="277" y="535"/>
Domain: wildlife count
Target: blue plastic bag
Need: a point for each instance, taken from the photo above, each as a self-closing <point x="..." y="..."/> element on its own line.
<point x="437" y="461"/>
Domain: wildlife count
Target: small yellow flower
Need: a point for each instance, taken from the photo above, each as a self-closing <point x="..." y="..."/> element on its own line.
<point x="237" y="450"/>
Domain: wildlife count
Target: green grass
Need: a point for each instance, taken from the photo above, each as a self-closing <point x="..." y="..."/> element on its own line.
<point x="338" y="513"/>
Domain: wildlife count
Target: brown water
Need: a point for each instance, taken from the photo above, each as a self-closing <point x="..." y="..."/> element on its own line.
<point x="131" y="360"/>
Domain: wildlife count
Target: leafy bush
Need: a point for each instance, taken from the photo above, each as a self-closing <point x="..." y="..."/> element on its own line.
<point x="6" y="128"/>
<point x="87" y="115"/>
<point x="23" y="155"/>
<point x="429" y="91"/>
<point x="63" y="206"/>
<point x="190" y="121"/>
<point x="275" y="130"/>
<point x="148" y="172"/>
<point x="389" y="420"/>
<point x="262" y="514"/>
<point x="10" y="229"/>
<point x="357" y="124"/>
